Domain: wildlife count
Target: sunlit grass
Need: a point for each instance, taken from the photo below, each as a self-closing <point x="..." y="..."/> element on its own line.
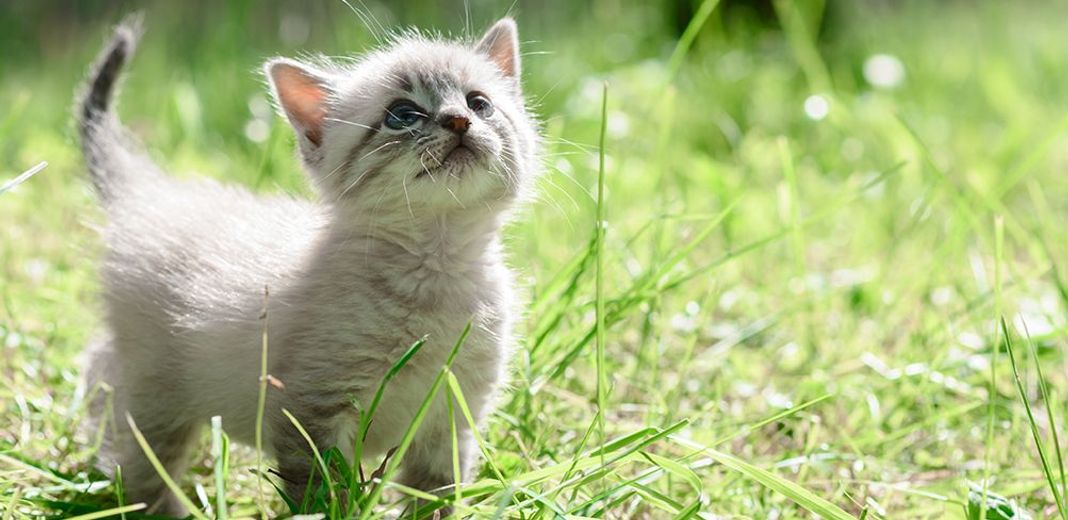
<point x="778" y="312"/>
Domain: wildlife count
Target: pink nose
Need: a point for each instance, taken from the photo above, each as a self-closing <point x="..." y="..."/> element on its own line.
<point x="457" y="124"/>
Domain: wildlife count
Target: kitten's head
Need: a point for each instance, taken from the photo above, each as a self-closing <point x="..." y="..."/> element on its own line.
<point x="422" y="127"/>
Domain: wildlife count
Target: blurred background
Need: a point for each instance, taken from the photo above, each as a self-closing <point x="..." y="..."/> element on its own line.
<point x="829" y="201"/>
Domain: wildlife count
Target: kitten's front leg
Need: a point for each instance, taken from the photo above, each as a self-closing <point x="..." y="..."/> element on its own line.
<point x="295" y="467"/>
<point x="428" y="465"/>
<point x="296" y="461"/>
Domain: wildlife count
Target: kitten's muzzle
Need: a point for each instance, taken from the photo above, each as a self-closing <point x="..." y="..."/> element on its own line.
<point x="456" y="124"/>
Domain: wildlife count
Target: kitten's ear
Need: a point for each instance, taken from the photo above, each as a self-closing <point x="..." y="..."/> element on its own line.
<point x="303" y="93"/>
<point x="501" y="45"/>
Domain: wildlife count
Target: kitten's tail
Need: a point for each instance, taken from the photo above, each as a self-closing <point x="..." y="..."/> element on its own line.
<point x="109" y="154"/>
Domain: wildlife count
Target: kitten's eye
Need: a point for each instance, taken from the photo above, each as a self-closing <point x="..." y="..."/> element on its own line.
<point x="480" y="104"/>
<point x="403" y="114"/>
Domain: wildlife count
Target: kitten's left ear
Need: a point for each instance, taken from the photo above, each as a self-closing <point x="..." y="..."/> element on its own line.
<point x="303" y="93"/>
<point x="501" y="45"/>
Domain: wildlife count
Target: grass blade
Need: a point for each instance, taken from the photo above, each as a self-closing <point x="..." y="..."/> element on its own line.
<point x="13" y="503"/>
<point x="106" y="513"/>
<point x="688" y="36"/>
<point x="120" y="490"/>
<point x="602" y="378"/>
<point x="1043" y="387"/>
<point x="409" y="435"/>
<point x="261" y="405"/>
<point x="318" y="459"/>
<point x="458" y="394"/>
<point x="368" y="416"/>
<point x="803" y="46"/>
<point x="801" y="496"/>
<point x="689" y="512"/>
<point x="675" y="468"/>
<point x="768" y="420"/>
<point x="457" y="474"/>
<point x="23" y="177"/>
<point x="163" y="474"/>
<point x="220" y="453"/>
<point x="993" y="391"/>
<point x="1046" y="470"/>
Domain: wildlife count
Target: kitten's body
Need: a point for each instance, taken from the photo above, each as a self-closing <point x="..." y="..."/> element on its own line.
<point x="353" y="281"/>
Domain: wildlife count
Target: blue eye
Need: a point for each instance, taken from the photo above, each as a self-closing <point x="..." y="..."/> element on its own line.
<point x="403" y="114"/>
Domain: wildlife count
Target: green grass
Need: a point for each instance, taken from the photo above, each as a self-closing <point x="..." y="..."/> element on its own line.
<point x="783" y="317"/>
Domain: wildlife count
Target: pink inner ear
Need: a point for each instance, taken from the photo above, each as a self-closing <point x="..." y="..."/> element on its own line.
<point x="504" y="56"/>
<point x="500" y="45"/>
<point x="303" y="98"/>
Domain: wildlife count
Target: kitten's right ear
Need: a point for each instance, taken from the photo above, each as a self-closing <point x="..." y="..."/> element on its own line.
<point x="303" y="93"/>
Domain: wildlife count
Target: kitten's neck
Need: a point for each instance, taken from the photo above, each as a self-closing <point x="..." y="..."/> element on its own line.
<point x="451" y="242"/>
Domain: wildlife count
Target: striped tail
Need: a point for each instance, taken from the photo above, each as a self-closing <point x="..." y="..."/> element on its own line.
<point x="107" y="151"/>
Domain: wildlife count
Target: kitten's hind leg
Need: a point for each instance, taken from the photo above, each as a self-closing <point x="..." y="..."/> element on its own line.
<point x="172" y="444"/>
<point x="97" y="387"/>
<point x="141" y="483"/>
<point x="115" y="389"/>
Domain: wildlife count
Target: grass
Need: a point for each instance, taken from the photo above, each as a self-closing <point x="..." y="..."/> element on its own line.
<point x="736" y="309"/>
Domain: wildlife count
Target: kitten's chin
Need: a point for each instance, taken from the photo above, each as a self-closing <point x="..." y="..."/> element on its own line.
<point x="462" y="156"/>
<point x="460" y="160"/>
<point x="465" y="180"/>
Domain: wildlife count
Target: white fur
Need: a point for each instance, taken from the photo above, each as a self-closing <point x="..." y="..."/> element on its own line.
<point x="392" y="253"/>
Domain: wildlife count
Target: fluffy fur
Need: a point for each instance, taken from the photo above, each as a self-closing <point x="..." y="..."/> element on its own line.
<point x="402" y="244"/>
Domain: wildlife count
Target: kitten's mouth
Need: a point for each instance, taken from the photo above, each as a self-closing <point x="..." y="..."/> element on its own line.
<point x="459" y="155"/>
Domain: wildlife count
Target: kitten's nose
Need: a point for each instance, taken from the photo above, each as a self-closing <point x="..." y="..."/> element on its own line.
<point x="456" y="124"/>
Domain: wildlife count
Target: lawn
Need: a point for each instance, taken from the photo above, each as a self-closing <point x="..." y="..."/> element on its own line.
<point x="815" y="218"/>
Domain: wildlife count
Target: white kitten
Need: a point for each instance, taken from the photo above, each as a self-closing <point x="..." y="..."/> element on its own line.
<point x="419" y="150"/>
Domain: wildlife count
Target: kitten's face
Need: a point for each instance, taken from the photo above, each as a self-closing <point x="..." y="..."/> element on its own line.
<point x="421" y="128"/>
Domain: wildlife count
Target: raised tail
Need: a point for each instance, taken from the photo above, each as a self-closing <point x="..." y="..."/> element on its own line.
<point x="109" y="154"/>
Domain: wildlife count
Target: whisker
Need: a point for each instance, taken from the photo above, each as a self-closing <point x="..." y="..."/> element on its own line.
<point x="559" y="188"/>
<point x="454" y="197"/>
<point x="433" y="155"/>
<point x="333" y="172"/>
<point x="365" y="20"/>
<point x="350" y="123"/>
<point x="372" y="152"/>
<point x="573" y="181"/>
<point x="353" y="184"/>
<point x="408" y="201"/>
<point x="373" y="18"/>
<point x="426" y="170"/>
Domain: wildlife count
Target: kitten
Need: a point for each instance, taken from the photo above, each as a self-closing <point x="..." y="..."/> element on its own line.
<point x="419" y="151"/>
